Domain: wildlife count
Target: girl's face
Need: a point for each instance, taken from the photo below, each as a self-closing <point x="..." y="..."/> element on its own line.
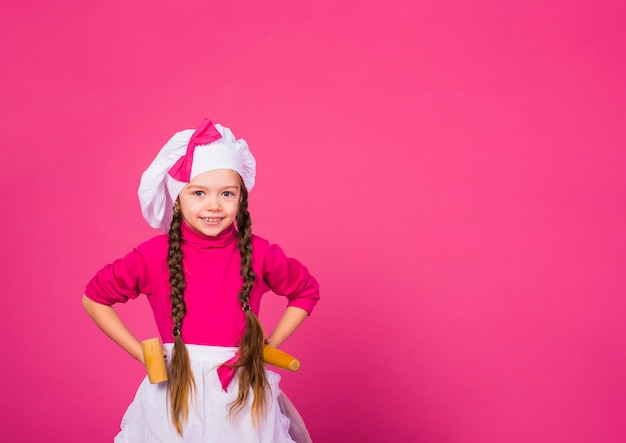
<point x="209" y="203"/>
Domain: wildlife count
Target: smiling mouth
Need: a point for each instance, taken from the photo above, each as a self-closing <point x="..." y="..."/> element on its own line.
<point x="212" y="219"/>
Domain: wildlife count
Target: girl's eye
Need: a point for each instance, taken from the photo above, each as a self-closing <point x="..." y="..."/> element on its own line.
<point x="227" y="194"/>
<point x="198" y="193"/>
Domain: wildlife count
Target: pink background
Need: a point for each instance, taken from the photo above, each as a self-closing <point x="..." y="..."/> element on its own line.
<point x="452" y="172"/>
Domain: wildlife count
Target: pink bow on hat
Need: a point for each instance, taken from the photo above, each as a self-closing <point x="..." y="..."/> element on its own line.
<point x="205" y="134"/>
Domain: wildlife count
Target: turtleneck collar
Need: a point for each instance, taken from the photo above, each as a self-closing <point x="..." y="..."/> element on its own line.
<point x="195" y="238"/>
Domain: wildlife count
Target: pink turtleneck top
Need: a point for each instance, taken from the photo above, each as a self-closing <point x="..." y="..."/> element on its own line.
<point x="212" y="269"/>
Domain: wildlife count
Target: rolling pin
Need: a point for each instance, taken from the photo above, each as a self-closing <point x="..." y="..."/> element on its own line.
<point x="280" y="359"/>
<point x="155" y="361"/>
<point x="157" y="371"/>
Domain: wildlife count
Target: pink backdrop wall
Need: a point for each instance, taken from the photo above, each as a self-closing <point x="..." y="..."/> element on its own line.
<point x="452" y="172"/>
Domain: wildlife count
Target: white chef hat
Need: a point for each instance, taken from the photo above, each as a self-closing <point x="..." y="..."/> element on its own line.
<point x="187" y="154"/>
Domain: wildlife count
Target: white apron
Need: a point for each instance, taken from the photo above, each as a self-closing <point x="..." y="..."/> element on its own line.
<point x="148" y="420"/>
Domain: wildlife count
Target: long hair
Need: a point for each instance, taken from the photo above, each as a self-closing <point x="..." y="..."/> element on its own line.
<point x="181" y="382"/>
<point x="251" y="368"/>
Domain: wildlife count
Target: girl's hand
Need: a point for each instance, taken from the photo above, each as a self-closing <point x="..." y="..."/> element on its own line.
<point x="152" y="349"/>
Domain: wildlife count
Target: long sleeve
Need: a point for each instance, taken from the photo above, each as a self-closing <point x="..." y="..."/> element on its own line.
<point x="133" y="275"/>
<point x="119" y="281"/>
<point x="287" y="276"/>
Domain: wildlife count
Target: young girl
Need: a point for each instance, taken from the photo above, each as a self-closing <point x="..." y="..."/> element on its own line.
<point x="204" y="281"/>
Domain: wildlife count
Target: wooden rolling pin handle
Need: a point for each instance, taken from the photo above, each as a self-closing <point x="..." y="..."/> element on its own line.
<point x="154" y="359"/>
<point x="280" y="359"/>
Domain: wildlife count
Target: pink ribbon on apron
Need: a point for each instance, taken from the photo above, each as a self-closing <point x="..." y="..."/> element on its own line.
<point x="226" y="371"/>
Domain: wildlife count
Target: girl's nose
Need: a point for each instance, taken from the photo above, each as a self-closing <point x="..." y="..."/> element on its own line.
<point x="212" y="204"/>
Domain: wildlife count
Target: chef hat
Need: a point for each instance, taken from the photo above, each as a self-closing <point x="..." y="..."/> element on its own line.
<point x="187" y="154"/>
